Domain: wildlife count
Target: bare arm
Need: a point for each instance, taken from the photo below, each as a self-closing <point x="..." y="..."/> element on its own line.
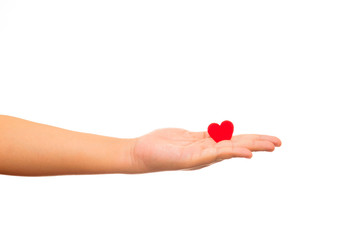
<point x="32" y="149"/>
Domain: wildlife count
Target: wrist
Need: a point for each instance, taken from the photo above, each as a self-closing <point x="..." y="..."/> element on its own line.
<point x="124" y="155"/>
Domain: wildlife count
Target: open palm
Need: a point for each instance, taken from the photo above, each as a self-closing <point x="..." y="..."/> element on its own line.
<point x="175" y="149"/>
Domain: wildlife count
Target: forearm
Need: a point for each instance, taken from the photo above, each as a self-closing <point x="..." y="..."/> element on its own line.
<point x="33" y="149"/>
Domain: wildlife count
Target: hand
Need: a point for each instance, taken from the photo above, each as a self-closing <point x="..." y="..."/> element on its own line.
<point x="179" y="149"/>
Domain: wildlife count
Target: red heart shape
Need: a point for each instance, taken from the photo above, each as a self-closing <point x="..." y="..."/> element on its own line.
<point x="221" y="132"/>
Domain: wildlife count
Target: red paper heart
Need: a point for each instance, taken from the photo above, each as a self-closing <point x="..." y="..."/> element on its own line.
<point x="221" y="132"/>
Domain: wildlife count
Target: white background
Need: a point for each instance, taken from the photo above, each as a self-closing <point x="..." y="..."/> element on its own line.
<point x="125" y="68"/>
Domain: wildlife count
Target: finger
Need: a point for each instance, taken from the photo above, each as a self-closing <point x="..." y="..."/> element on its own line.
<point x="228" y="149"/>
<point x="276" y="141"/>
<point x="256" y="145"/>
<point x="217" y="152"/>
<point x="231" y="150"/>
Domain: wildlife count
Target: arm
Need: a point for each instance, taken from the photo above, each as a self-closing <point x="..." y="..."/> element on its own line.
<point x="33" y="149"/>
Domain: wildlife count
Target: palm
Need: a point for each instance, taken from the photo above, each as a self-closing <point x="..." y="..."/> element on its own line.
<point x="174" y="148"/>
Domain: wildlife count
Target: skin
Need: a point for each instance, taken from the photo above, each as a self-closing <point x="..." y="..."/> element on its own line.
<point x="33" y="149"/>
